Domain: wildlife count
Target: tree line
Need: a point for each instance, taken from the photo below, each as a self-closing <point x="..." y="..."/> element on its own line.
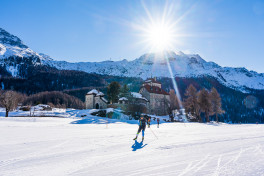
<point x="203" y="101"/>
<point x="11" y="99"/>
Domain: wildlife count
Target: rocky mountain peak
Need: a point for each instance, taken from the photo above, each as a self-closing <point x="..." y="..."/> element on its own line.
<point x="9" y="39"/>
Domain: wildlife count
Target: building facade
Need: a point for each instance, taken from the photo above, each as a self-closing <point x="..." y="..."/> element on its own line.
<point x="95" y="100"/>
<point x="134" y="104"/>
<point x="150" y="99"/>
<point x="159" y="99"/>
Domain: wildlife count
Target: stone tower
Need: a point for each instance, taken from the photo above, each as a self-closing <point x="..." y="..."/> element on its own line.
<point x="95" y="100"/>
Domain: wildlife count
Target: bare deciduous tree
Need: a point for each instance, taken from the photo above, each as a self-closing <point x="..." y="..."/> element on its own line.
<point x="205" y="104"/>
<point x="136" y="109"/>
<point x="191" y="102"/>
<point x="216" y="103"/>
<point x="10" y="100"/>
<point x="174" y="100"/>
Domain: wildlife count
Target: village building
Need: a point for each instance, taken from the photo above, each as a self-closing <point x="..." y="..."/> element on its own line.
<point x="150" y="99"/>
<point x="95" y="100"/>
<point x="123" y="100"/>
<point x="134" y="98"/>
<point x="134" y="104"/>
<point x="159" y="99"/>
<point x="139" y="99"/>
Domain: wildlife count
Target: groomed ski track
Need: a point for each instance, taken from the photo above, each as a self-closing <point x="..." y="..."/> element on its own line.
<point x="63" y="146"/>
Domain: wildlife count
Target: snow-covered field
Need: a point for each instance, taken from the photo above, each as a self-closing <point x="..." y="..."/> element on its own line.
<point x="90" y="146"/>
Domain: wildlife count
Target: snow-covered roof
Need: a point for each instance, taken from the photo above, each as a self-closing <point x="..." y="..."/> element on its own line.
<point x="96" y="92"/>
<point x="105" y="100"/>
<point x="138" y="95"/>
<point x="123" y="99"/>
<point x="100" y="94"/>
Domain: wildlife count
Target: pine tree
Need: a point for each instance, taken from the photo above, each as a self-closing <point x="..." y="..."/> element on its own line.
<point x="113" y="91"/>
<point x="205" y="104"/>
<point x="191" y="103"/>
<point x="216" y="103"/>
<point x="124" y="92"/>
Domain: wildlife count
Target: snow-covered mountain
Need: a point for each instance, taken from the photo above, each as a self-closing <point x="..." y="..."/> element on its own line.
<point x="166" y="64"/>
<point x="182" y="65"/>
<point x="11" y="45"/>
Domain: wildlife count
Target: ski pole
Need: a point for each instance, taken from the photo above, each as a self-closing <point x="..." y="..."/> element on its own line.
<point x="153" y="133"/>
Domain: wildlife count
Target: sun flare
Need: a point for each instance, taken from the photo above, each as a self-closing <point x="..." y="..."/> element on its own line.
<point x="159" y="37"/>
<point x="161" y="27"/>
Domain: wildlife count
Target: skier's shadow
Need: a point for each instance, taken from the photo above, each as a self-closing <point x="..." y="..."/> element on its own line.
<point x="138" y="145"/>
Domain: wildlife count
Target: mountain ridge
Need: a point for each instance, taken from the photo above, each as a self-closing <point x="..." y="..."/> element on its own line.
<point x="147" y="65"/>
<point x="181" y="66"/>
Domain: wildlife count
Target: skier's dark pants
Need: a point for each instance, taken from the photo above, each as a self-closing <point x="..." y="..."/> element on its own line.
<point x="141" y="128"/>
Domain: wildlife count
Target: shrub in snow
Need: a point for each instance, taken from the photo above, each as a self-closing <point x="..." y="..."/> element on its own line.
<point x="24" y="108"/>
<point x="100" y="113"/>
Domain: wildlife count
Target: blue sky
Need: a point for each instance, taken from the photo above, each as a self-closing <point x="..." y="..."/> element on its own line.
<point x="228" y="32"/>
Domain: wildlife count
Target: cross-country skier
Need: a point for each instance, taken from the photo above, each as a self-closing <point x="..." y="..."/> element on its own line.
<point x="149" y="118"/>
<point x="158" y="120"/>
<point x="142" y="126"/>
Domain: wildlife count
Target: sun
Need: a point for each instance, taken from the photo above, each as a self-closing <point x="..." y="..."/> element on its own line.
<point x="159" y="36"/>
<point x="160" y="27"/>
